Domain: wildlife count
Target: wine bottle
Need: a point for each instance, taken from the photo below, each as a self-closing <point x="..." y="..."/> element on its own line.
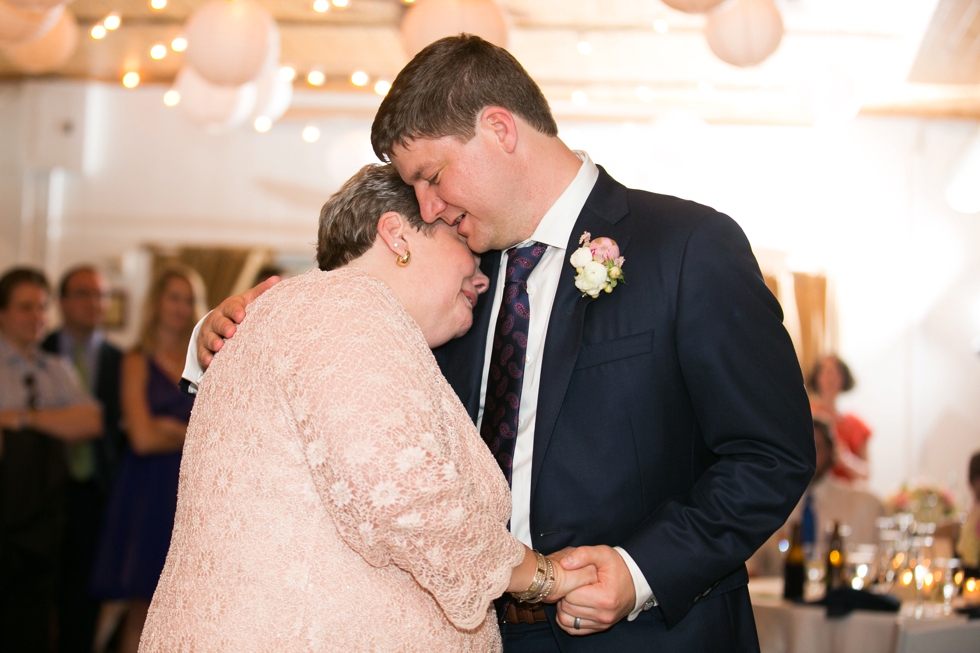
<point x="835" y="560"/>
<point x="794" y="576"/>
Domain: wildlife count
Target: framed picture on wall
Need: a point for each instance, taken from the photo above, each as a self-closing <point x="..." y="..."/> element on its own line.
<point x="115" y="315"/>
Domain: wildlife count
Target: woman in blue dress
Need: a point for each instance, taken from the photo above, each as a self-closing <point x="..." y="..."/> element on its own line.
<point x="140" y="515"/>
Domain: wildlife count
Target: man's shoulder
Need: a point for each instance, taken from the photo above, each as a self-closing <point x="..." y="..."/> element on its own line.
<point x="51" y="343"/>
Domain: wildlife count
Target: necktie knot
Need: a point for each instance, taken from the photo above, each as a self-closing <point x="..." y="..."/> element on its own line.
<point x="521" y="261"/>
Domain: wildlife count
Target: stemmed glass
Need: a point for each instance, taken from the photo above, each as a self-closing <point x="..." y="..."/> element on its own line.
<point x="952" y="580"/>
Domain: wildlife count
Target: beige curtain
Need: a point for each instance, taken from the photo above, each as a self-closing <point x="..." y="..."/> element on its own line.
<point x="221" y="268"/>
<point x="811" y="305"/>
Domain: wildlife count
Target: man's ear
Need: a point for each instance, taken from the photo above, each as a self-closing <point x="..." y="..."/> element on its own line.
<point x="392" y="229"/>
<point x="500" y="126"/>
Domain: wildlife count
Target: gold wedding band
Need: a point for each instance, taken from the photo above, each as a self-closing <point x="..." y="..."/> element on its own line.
<point x="578" y="623"/>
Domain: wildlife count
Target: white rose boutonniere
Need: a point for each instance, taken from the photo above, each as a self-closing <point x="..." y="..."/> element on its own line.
<point x="599" y="265"/>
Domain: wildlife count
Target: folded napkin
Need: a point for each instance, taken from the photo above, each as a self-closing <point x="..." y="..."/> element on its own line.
<point x="842" y="602"/>
<point x="972" y="611"/>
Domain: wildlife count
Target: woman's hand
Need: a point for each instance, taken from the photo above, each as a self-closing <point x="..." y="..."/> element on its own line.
<point x="567" y="581"/>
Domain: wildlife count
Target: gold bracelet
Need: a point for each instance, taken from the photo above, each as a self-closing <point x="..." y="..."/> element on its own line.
<point x="539" y="580"/>
<point x="548" y="585"/>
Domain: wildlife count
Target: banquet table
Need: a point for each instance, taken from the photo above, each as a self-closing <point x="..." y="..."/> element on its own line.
<point x="786" y="627"/>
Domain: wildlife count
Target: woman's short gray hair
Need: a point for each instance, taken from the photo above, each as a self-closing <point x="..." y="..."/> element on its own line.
<point x="349" y="219"/>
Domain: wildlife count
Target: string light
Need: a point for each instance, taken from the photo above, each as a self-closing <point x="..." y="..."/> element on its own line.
<point x="171" y="98"/>
<point x="580" y="99"/>
<point x="316" y="78"/>
<point x="158" y="52"/>
<point x="382" y="87"/>
<point x="131" y="79"/>
<point x="112" y="22"/>
<point x="99" y="31"/>
<point x="311" y="134"/>
<point x="321" y="6"/>
<point x="263" y="124"/>
<point x="359" y="78"/>
<point x="660" y="26"/>
<point x="158" y="4"/>
<point x="341" y="3"/>
<point x="287" y="73"/>
<point x="584" y="47"/>
<point x="644" y="94"/>
<point x="179" y="44"/>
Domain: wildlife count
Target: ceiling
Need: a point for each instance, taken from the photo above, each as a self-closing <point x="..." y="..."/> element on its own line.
<point x="836" y="56"/>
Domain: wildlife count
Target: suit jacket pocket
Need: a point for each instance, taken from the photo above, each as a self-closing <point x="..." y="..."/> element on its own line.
<point x="597" y="353"/>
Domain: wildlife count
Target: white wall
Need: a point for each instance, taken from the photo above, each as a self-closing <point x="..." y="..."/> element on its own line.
<point x="862" y="202"/>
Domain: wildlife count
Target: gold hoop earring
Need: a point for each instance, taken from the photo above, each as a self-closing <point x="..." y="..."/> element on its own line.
<point x="403" y="260"/>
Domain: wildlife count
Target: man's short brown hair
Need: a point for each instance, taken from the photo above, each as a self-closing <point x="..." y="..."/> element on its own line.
<point x="349" y="219"/>
<point x="16" y="277"/>
<point x="442" y="91"/>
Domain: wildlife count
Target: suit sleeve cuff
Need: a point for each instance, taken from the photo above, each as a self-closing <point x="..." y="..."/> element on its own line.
<point x="192" y="371"/>
<point x="644" y="595"/>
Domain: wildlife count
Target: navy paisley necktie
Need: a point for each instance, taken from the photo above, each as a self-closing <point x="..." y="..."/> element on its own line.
<point x="502" y="406"/>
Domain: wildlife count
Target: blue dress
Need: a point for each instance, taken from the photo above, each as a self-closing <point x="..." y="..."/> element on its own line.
<point x="140" y="515"/>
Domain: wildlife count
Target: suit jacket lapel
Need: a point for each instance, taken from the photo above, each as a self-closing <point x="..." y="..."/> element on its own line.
<point x="601" y="216"/>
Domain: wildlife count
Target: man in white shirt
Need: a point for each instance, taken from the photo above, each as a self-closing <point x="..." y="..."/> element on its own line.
<point x="663" y="427"/>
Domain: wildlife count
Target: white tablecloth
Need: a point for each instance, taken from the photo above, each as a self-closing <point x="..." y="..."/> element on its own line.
<point x="786" y="627"/>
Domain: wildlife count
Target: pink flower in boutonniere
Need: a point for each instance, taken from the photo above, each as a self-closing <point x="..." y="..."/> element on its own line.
<point x="599" y="265"/>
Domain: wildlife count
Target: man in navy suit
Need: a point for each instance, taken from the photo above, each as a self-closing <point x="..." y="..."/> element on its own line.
<point x="663" y="428"/>
<point x="83" y="298"/>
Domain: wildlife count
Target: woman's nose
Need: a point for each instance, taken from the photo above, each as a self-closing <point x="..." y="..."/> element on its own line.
<point x="480" y="282"/>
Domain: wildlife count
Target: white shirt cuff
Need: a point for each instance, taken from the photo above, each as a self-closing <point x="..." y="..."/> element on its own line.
<point x="192" y="370"/>
<point x="644" y="595"/>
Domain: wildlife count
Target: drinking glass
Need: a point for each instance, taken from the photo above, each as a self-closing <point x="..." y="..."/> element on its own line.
<point x="952" y="580"/>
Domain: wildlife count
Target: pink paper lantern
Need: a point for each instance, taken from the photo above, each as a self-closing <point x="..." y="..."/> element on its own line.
<point x="745" y="32"/>
<point x="693" y="6"/>
<point x="219" y="108"/>
<point x="48" y="52"/>
<point x="20" y="25"/>
<point x="229" y="42"/>
<point x="430" y="20"/>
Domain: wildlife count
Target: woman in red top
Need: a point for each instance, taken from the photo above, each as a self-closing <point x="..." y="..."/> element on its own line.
<point x="829" y="378"/>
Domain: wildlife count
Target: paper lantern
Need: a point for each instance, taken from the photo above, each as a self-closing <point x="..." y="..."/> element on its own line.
<point x="228" y="43"/>
<point x="430" y="20"/>
<point x="49" y="52"/>
<point x="219" y="108"/>
<point x="745" y="32"/>
<point x="693" y="6"/>
<point x="273" y="94"/>
<point x="19" y="25"/>
<point x="36" y="5"/>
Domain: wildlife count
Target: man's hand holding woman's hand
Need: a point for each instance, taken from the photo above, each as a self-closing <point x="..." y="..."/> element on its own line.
<point x="568" y="580"/>
<point x="599" y="605"/>
<point x="222" y="322"/>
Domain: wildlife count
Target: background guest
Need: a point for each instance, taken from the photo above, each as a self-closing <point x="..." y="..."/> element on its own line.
<point x="968" y="545"/>
<point x="83" y="298"/>
<point x="140" y="515"/>
<point x="42" y="408"/>
<point x="830" y="377"/>
<point x="825" y="501"/>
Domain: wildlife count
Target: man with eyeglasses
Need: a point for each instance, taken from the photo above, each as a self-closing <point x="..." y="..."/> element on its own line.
<point x="43" y="407"/>
<point x="83" y="298"/>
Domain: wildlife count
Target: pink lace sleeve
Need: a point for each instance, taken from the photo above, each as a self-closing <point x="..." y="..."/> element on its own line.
<point x="391" y="455"/>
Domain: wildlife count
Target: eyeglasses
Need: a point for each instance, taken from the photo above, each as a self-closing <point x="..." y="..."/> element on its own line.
<point x="86" y="294"/>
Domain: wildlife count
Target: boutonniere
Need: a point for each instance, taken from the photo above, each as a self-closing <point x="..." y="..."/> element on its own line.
<point x="599" y="265"/>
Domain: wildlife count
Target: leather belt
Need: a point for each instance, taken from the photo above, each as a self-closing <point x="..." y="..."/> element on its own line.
<point x="524" y="613"/>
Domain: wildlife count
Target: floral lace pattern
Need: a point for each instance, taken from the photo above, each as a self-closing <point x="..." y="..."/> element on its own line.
<point x="334" y="494"/>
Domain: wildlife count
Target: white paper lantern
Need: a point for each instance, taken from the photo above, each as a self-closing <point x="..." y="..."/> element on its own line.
<point x="49" y="52"/>
<point x="219" y="108"/>
<point x="19" y="25"/>
<point x="273" y="94"/>
<point x="430" y="20"/>
<point x="36" y="5"/>
<point x="229" y="42"/>
<point x="745" y="32"/>
<point x="693" y="6"/>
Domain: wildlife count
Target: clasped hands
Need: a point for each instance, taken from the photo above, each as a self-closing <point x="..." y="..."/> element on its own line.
<point x="597" y="587"/>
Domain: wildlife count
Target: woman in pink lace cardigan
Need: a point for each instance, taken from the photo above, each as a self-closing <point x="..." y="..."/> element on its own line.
<point x="334" y="494"/>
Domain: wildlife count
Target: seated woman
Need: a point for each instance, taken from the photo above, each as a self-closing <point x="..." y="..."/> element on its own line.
<point x="334" y="494"/>
<point x="830" y="377"/>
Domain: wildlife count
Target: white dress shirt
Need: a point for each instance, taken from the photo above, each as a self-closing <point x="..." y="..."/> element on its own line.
<point x="554" y="230"/>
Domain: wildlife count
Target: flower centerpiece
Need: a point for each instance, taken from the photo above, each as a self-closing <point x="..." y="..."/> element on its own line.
<point x="926" y="503"/>
<point x="598" y="264"/>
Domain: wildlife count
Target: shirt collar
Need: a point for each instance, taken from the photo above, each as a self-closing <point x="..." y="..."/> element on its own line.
<point x="556" y="226"/>
<point x="67" y="341"/>
<point x="13" y="356"/>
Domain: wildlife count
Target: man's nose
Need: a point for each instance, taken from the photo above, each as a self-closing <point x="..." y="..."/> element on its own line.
<point x="430" y="204"/>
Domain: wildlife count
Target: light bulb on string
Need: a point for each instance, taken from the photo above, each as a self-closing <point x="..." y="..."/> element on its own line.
<point x="382" y="87"/>
<point x="584" y="47"/>
<point x="171" y="98"/>
<point x="158" y="52"/>
<point x="112" y="22"/>
<point x="321" y="6"/>
<point x="287" y="73"/>
<point x="316" y="78"/>
<point x="179" y="44"/>
<point x="99" y="32"/>
<point x="311" y="134"/>
<point x="340" y="4"/>
<point x="660" y="26"/>
<point x="262" y="124"/>
<point x="131" y="79"/>
<point x="580" y="99"/>
<point x="158" y="4"/>
<point x="359" y="78"/>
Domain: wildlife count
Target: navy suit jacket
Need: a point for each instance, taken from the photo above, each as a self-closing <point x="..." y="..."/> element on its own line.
<point x="672" y="417"/>
<point x="110" y="448"/>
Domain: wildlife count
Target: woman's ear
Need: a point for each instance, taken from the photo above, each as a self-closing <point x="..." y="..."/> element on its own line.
<point x="393" y="229"/>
